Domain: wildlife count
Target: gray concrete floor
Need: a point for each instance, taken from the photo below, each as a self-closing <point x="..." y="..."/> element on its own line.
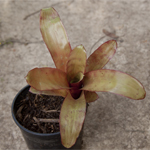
<point x="113" y="122"/>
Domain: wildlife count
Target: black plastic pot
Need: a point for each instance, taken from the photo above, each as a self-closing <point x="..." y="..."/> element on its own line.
<point x="34" y="140"/>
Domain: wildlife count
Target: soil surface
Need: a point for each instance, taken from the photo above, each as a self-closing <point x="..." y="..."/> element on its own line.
<point x="39" y="113"/>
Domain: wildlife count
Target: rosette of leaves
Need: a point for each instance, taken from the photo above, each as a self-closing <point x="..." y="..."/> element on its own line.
<point x="75" y="77"/>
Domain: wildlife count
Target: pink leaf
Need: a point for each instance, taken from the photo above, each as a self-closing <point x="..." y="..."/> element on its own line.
<point x="71" y="119"/>
<point x="115" y="82"/>
<point x="62" y="93"/>
<point x="55" y="37"/>
<point x="99" y="58"/>
<point x="43" y="79"/>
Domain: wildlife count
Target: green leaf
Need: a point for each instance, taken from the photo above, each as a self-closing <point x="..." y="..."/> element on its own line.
<point x="55" y="37"/>
<point x="76" y="64"/>
<point x="99" y="58"/>
<point x="78" y="77"/>
<point x="115" y="82"/>
<point x="43" y="79"/>
<point x="90" y="96"/>
<point x="62" y="93"/>
<point x="72" y="116"/>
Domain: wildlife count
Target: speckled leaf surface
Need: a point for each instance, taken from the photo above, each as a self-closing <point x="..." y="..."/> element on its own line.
<point x="90" y="96"/>
<point x="115" y="82"/>
<point x="99" y="58"/>
<point x="76" y="64"/>
<point x="62" y="93"/>
<point x="55" y="37"/>
<point x="47" y="79"/>
<point x="71" y="119"/>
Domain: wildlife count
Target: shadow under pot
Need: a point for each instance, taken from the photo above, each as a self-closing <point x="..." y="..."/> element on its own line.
<point x="36" y="140"/>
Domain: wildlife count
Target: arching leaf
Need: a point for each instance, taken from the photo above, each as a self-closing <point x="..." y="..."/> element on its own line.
<point x="71" y="119"/>
<point x="43" y="79"/>
<point x="55" y="37"/>
<point x="99" y="58"/>
<point x="115" y="82"/>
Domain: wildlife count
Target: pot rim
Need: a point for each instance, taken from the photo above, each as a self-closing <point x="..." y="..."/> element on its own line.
<point x="19" y="125"/>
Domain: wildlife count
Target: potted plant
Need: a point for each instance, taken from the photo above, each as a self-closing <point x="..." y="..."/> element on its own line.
<point x="76" y="79"/>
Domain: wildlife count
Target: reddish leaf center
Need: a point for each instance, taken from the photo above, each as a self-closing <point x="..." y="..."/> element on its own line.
<point x="75" y="89"/>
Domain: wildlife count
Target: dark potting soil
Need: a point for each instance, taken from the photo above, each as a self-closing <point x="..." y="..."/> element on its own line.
<point x="39" y="113"/>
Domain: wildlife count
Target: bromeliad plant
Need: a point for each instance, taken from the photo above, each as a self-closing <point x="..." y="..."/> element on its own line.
<point x="75" y="77"/>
